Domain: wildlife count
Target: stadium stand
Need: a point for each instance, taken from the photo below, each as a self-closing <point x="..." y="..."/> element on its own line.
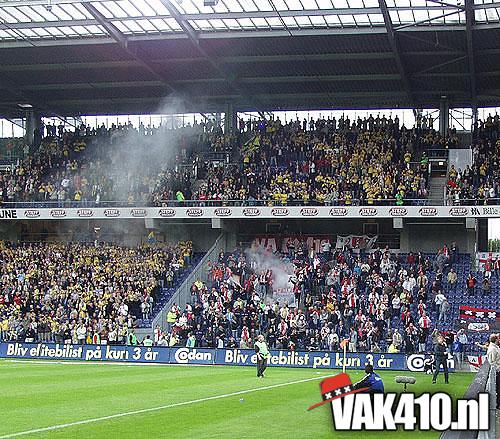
<point x="381" y="301"/>
<point x="478" y="184"/>
<point x="85" y="293"/>
<point x="360" y="126"/>
<point x="323" y="162"/>
<point x="290" y="163"/>
<point x="82" y="165"/>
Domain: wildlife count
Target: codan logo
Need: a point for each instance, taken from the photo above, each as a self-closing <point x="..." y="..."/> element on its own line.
<point x="194" y="212"/>
<point x="111" y="213"/>
<point x="166" y="213"/>
<point x="428" y="211"/>
<point x="58" y="213"/>
<point x="368" y="211"/>
<point x="185" y="356"/>
<point x="85" y="213"/>
<point x="251" y="211"/>
<point x="223" y="211"/>
<point x="398" y="211"/>
<point x="309" y="211"/>
<point x="280" y="211"/>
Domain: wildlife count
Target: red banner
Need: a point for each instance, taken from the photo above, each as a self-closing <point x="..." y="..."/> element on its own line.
<point x="468" y="312"/>
<point x="273" y="243"/>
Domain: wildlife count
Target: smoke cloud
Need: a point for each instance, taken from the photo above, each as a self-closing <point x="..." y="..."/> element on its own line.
<point x="262" y="260"/>
<point x="130" y="157"/>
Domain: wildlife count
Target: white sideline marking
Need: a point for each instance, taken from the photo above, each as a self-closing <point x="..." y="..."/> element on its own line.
<point x="155" y="409"/>
<point x="105" y="363"/>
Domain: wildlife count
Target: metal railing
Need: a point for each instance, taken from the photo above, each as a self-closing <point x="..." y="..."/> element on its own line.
<point x="182" y="295"/>
<point x="246" y="203"/>
<point x="484" y="381"/>
<point x="49" y="204"/>
<point x="492" y="390"/>
<point x="473" y="202"/>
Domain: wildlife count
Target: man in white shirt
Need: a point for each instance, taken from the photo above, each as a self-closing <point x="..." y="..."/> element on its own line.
<point x="81" y="332"/>
<point x="439" y="299"/>
<point x="397" y="339"/>
<point x="326" y="247"/>
<point x="464" y="341"/>
<point x="493" y="355"/>
<point x="409" y="283"/>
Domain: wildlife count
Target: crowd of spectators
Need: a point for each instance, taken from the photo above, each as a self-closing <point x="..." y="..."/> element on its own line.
<point x="480" y="182"/>
<point x="94" y="165"/>
<point x="82" y="293"/>
<point x="323" y="161"/>
<point x="378" y="301"/>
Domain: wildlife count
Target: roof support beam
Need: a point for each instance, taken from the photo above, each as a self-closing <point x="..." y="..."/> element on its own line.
<point x="271" y="33"/>
<point x="444" y="4"/>
<point x="391" y="35"/>
<point x="123" y="43"/>
<point x="338" y="11"/>
<point x="244" y="80"/>
<point x="443" y="64"/>
<point x="237" y="59"/>
<point x="469" y="24"/>
<point x="427" y="20"/>
<point x="441" y="5"/>
<point x="193" y="37"/>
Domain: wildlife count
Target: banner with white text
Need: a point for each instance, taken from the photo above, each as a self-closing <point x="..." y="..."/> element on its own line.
<point x="204" y="356"/>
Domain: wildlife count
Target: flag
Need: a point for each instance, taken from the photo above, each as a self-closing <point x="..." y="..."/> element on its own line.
<point x="468" y="312"/>
<point x="343" y="343"/>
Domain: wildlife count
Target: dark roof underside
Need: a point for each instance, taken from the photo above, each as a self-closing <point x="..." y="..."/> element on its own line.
<point x="266" y="70"/>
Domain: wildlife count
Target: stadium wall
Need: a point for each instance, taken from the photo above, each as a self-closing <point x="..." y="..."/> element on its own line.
<point x="427" y="237"/>
<point x="127" y="232"/>
<point x="409" y="235"/>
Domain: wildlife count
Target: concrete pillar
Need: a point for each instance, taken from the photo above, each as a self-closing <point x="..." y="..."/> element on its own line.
<point x="404" y="239"/>
<point x="444" y="116"/>
<point x="474" y="117"/>
<point x="218" y="119"/>
<point x="33" y="134"/>
<point x="230" y="119"/>
<point x="216" y="223"/>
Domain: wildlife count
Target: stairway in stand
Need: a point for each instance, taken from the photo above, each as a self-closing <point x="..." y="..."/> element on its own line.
<point x="436" y="191"/>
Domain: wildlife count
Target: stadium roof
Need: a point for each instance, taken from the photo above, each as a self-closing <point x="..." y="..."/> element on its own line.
<point x="95" y="57"/>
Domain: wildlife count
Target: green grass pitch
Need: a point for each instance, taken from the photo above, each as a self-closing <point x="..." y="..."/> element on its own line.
<point x="39" y="395"/>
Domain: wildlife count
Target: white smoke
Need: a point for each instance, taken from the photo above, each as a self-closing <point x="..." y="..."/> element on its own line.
<point x="134" y="156"/>
<point x="263" y="260"/>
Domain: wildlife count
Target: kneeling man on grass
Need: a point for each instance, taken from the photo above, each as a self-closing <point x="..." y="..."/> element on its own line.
<point x="262" y="355"/>
<point x="371" y="381"/>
